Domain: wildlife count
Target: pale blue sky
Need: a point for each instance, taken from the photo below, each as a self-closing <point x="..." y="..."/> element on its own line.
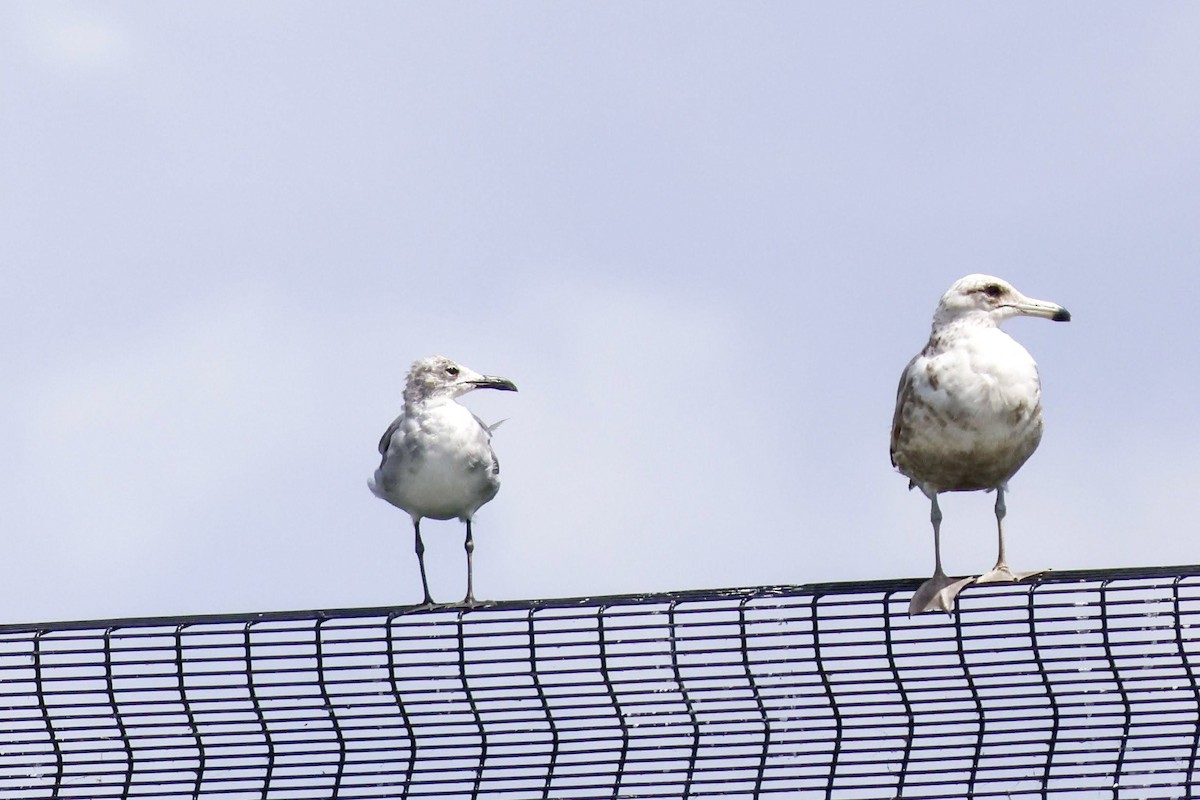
<point x="703" y="239"/>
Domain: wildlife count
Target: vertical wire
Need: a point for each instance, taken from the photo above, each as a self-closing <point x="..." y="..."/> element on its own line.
<point x="1052" y="744"/>
<point x="541" y="693"/>
<point x="622" y="722"/>
<point x="827" y="685"/>
<point x="43" y="706"/>
<point x="187" y="709"/>
<point x="1187" y="668"/>
<point x="408" y="726"/>
<point x="333" y="717"/>
<point x="695" y="641"/>
<point x="1127" y="710"/>
<point x="687" y="701"/>
<point x="258" y="713"/>
<point x="909" y="719"/>
<point x="112" y="702"/>
<point x="962" y="660"/>
<point x="760" y="772"/>
<point x="462" y="673"/>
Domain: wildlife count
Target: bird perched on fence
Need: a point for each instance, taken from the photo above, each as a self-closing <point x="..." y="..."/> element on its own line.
<point x="969" y="413"/>
<point x="438" y="460"/>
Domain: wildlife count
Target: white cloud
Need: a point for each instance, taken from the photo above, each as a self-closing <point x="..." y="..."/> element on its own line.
<point x="706" y="370"/>
<point x="75" y="36"/>
<point x="120" y="447"/>
<point x="632" y="454"/>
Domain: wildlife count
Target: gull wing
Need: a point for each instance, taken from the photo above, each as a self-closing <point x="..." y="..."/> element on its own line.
<point x="386" y="441"/>
<point x="488" y="430"/>
<point x="903" y="392"/>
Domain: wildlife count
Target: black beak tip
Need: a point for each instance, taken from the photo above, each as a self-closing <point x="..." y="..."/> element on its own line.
<point x="503" y="384"/>
<point x="1062" y="315"/>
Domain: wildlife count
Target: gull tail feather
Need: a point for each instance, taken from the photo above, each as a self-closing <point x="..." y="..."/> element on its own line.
<point x="375" y="488"/>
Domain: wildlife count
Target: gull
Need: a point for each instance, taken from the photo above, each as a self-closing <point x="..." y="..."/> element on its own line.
<point x="438" y="460"/>
<point x="969" y="413"/>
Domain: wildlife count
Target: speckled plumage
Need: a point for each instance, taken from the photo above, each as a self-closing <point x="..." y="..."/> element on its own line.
<point x="969" y="411"/>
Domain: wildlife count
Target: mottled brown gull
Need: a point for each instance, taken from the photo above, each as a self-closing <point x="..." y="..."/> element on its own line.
<point x="969" y="413"/>
<point x="438" y="460"/>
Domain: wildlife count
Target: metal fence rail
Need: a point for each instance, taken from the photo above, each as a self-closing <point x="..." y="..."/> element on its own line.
<point x="1081" y="685"/>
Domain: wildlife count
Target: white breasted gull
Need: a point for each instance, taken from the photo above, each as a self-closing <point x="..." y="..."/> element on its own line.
<point x="438" y="460"/>
<point x="969" y="413"/>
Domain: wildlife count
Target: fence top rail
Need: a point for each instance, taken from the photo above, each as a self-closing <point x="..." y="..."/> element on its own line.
<point x="810" y="590"/>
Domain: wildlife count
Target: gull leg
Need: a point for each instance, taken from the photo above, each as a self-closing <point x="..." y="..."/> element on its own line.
<point x="420" y="547"/>
<point x="469" y="545"/>
<point x="939" y="592"/>
<point x="1001" y="573"/>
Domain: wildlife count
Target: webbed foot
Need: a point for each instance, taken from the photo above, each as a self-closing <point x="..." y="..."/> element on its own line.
<point x="1001" y="573"/>
<point x="937" y="594"/>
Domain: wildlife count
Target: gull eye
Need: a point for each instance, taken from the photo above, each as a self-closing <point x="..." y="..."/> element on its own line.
<point x="993" y="290"/>
<point x="452" y="371"/>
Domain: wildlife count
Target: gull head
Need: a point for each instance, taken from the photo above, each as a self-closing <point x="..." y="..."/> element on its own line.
<point x="984" y="297"/>
<point x="439" y="377"/>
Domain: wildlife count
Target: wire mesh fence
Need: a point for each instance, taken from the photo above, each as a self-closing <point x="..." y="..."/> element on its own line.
<point x="1079" y="685"/>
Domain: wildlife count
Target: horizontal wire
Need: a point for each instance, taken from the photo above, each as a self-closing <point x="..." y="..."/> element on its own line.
<point x="1080" y="681"/>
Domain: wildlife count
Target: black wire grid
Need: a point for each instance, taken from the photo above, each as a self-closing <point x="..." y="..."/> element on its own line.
<point x="1081" y="685"/>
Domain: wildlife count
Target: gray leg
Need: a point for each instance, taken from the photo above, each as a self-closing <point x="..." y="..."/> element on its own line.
<point x="935" y="517"/>
<point x="469" y="545"/>
<point x="1001" y="572"/>
<point x="420" y="547"/>
<point x="939" y="592"/>
<point x="1001" y="512"/>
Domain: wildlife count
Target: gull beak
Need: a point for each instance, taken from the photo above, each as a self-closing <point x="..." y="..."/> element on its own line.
<point x="494" y="382"/>
<point x="1041" y="308"/>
